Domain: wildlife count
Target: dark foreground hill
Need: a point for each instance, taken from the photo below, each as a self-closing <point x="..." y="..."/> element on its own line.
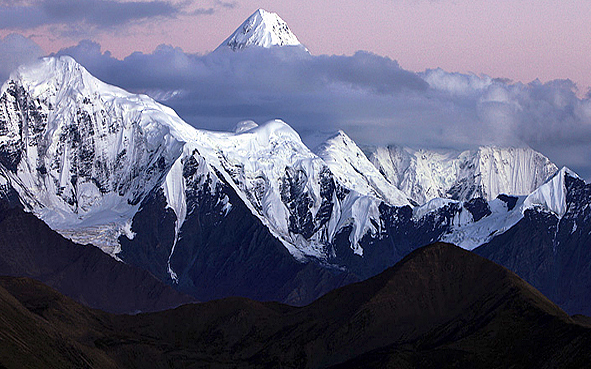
<point x="29" y="248"/>
<point x="440" y="307"/>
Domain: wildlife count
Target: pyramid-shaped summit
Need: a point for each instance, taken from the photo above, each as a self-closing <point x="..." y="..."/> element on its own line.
<point x="262" y="29"/>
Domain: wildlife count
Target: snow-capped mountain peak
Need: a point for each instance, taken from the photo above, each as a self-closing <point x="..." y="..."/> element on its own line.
<point x="83" y="154"/>
<point x="354" y="170"/>
<point x="262" y="29"/>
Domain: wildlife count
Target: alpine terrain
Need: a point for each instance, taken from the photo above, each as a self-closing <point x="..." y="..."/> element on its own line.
<point x="255" y="212"/>
<point x="484" y="173"/>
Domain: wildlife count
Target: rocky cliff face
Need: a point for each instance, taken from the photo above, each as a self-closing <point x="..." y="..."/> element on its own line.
<point x="82" y="154"/>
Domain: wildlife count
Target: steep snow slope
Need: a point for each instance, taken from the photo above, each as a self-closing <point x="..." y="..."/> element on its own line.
<point x="354" y="170"/>
<point x="290" y="189"/>
<point x="262" y="29"/>
<point x="487" y="172"/>
<point x="552" y="195"/>
<point x="83" y="154"/>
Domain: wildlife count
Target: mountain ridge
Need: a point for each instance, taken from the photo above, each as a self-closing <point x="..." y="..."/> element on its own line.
<point x="120" y="167"/>
<point x="486" y="172"/>
<point x="404" y="316"/>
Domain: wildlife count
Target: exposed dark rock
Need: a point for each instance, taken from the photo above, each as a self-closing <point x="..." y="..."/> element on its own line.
<point x="222" y="248"/>
<point x="511" y="201"/>
<point x="154" y="228"/>
<point x="400" y="234"/>
<point x="478" y="207"/>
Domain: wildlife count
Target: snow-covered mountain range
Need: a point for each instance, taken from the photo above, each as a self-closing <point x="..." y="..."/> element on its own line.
<point x="83" y="156"/>
<point x="215" y="212"/>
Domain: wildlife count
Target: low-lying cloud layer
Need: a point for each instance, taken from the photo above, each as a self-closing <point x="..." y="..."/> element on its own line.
<point x="368" y="96"/>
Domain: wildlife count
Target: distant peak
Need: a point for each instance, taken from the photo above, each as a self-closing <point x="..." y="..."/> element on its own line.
<point x="262" y="29"/>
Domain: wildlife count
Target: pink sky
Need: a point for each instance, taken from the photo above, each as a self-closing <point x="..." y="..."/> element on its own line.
<point x="516" y="39"/>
